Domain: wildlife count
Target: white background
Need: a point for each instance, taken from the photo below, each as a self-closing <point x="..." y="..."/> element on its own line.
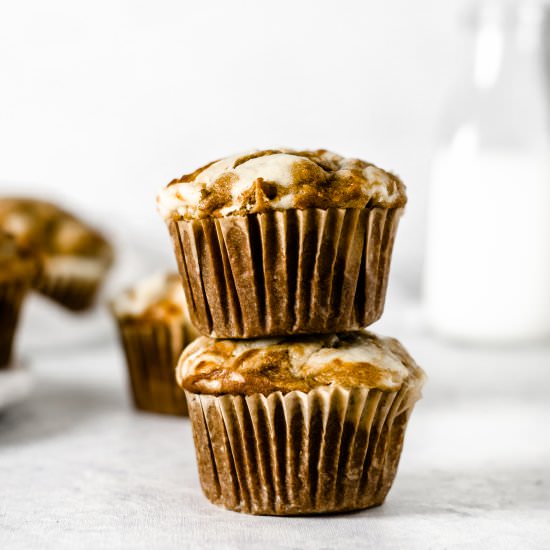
<point x="104" y="102"/>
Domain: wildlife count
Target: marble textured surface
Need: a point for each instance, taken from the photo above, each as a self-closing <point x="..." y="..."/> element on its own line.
<point x="80" y="469"/>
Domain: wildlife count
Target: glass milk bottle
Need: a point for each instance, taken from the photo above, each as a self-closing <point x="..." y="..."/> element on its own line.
<point x="487" y="272"/>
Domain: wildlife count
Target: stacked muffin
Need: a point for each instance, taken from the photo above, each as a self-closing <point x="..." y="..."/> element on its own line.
<point x="293" y="247"/>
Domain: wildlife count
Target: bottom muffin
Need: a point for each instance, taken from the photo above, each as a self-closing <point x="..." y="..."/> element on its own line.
<point x="154" y="329"/>
<point x="299" y="425"/>
<point x="17" y="270"/>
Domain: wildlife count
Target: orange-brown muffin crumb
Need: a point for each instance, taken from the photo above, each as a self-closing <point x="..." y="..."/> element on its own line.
<point x="50" y="230"/>
<point x="156" y="298"/>
<point x="279" y="179"/>
<point x="15" y="262"/>
<point x="357" y="359"/>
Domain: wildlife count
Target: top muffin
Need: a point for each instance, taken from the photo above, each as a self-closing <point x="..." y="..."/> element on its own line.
<point x="279" y="179"/>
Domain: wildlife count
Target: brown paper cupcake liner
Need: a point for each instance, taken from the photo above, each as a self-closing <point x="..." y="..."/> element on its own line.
<point x="71" y="292"/>
<point x="11" y="300"/>
<point x="286" y="272"/>
<point x="152" y="351"/>
<point x="329" y="450"/>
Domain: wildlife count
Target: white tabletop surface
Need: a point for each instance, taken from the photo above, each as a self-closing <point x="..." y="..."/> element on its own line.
<point x="80" y="469"/>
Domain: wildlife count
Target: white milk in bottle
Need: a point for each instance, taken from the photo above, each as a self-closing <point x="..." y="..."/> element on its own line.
<point x="487" y="272"/>
<point x="488" y="247"/>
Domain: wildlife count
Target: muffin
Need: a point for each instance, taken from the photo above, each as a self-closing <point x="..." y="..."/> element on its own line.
<point x="154" y="329"/>
<point x="283" y="242"/>
<point x="74" y="258"/>
<point x="17" y="269"/>
<point x="303" y="425"/>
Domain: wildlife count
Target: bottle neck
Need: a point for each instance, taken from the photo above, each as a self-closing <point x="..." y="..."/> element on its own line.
<point x="508" y="39"/>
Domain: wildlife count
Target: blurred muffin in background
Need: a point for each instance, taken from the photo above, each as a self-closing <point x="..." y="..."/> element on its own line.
<point x="299" y="425"/>
<point x="73" y="257"/>
<point x="281" y="242"/>
<point x="17" y="270"/>
<point x="154" y="328"/>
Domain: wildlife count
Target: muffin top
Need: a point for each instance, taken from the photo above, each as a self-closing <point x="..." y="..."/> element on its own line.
<point x="46" y="228"/>
<point x="157" y="298"/>
<point x="279" y="179"/>
<point x="15" y="262"/>
<point x="350" y="360"/>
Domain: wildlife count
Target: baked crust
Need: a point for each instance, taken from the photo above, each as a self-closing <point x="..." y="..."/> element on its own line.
<point x="279" y="179"/>
<point x="51" y="231"/>
<point x="349" y="360"/>
<point x="15" y="262"/>
<point x="159" y="298"/>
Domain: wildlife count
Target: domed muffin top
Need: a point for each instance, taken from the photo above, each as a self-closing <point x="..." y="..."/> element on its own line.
<point x="279" y="179"/>
<point x="156" y="298"/>
<point x="296" y="364"/>
<point x="49" y="230"/>
<point x="15" y="262"/>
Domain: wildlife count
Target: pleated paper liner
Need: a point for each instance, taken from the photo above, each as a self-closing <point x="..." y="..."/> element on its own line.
<point x="329" y="450"/>
<point x="286" y="272"/>
<point x="71" y="291"/>
<point x="12" y="293"/>
<point x="152" y="351"/>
